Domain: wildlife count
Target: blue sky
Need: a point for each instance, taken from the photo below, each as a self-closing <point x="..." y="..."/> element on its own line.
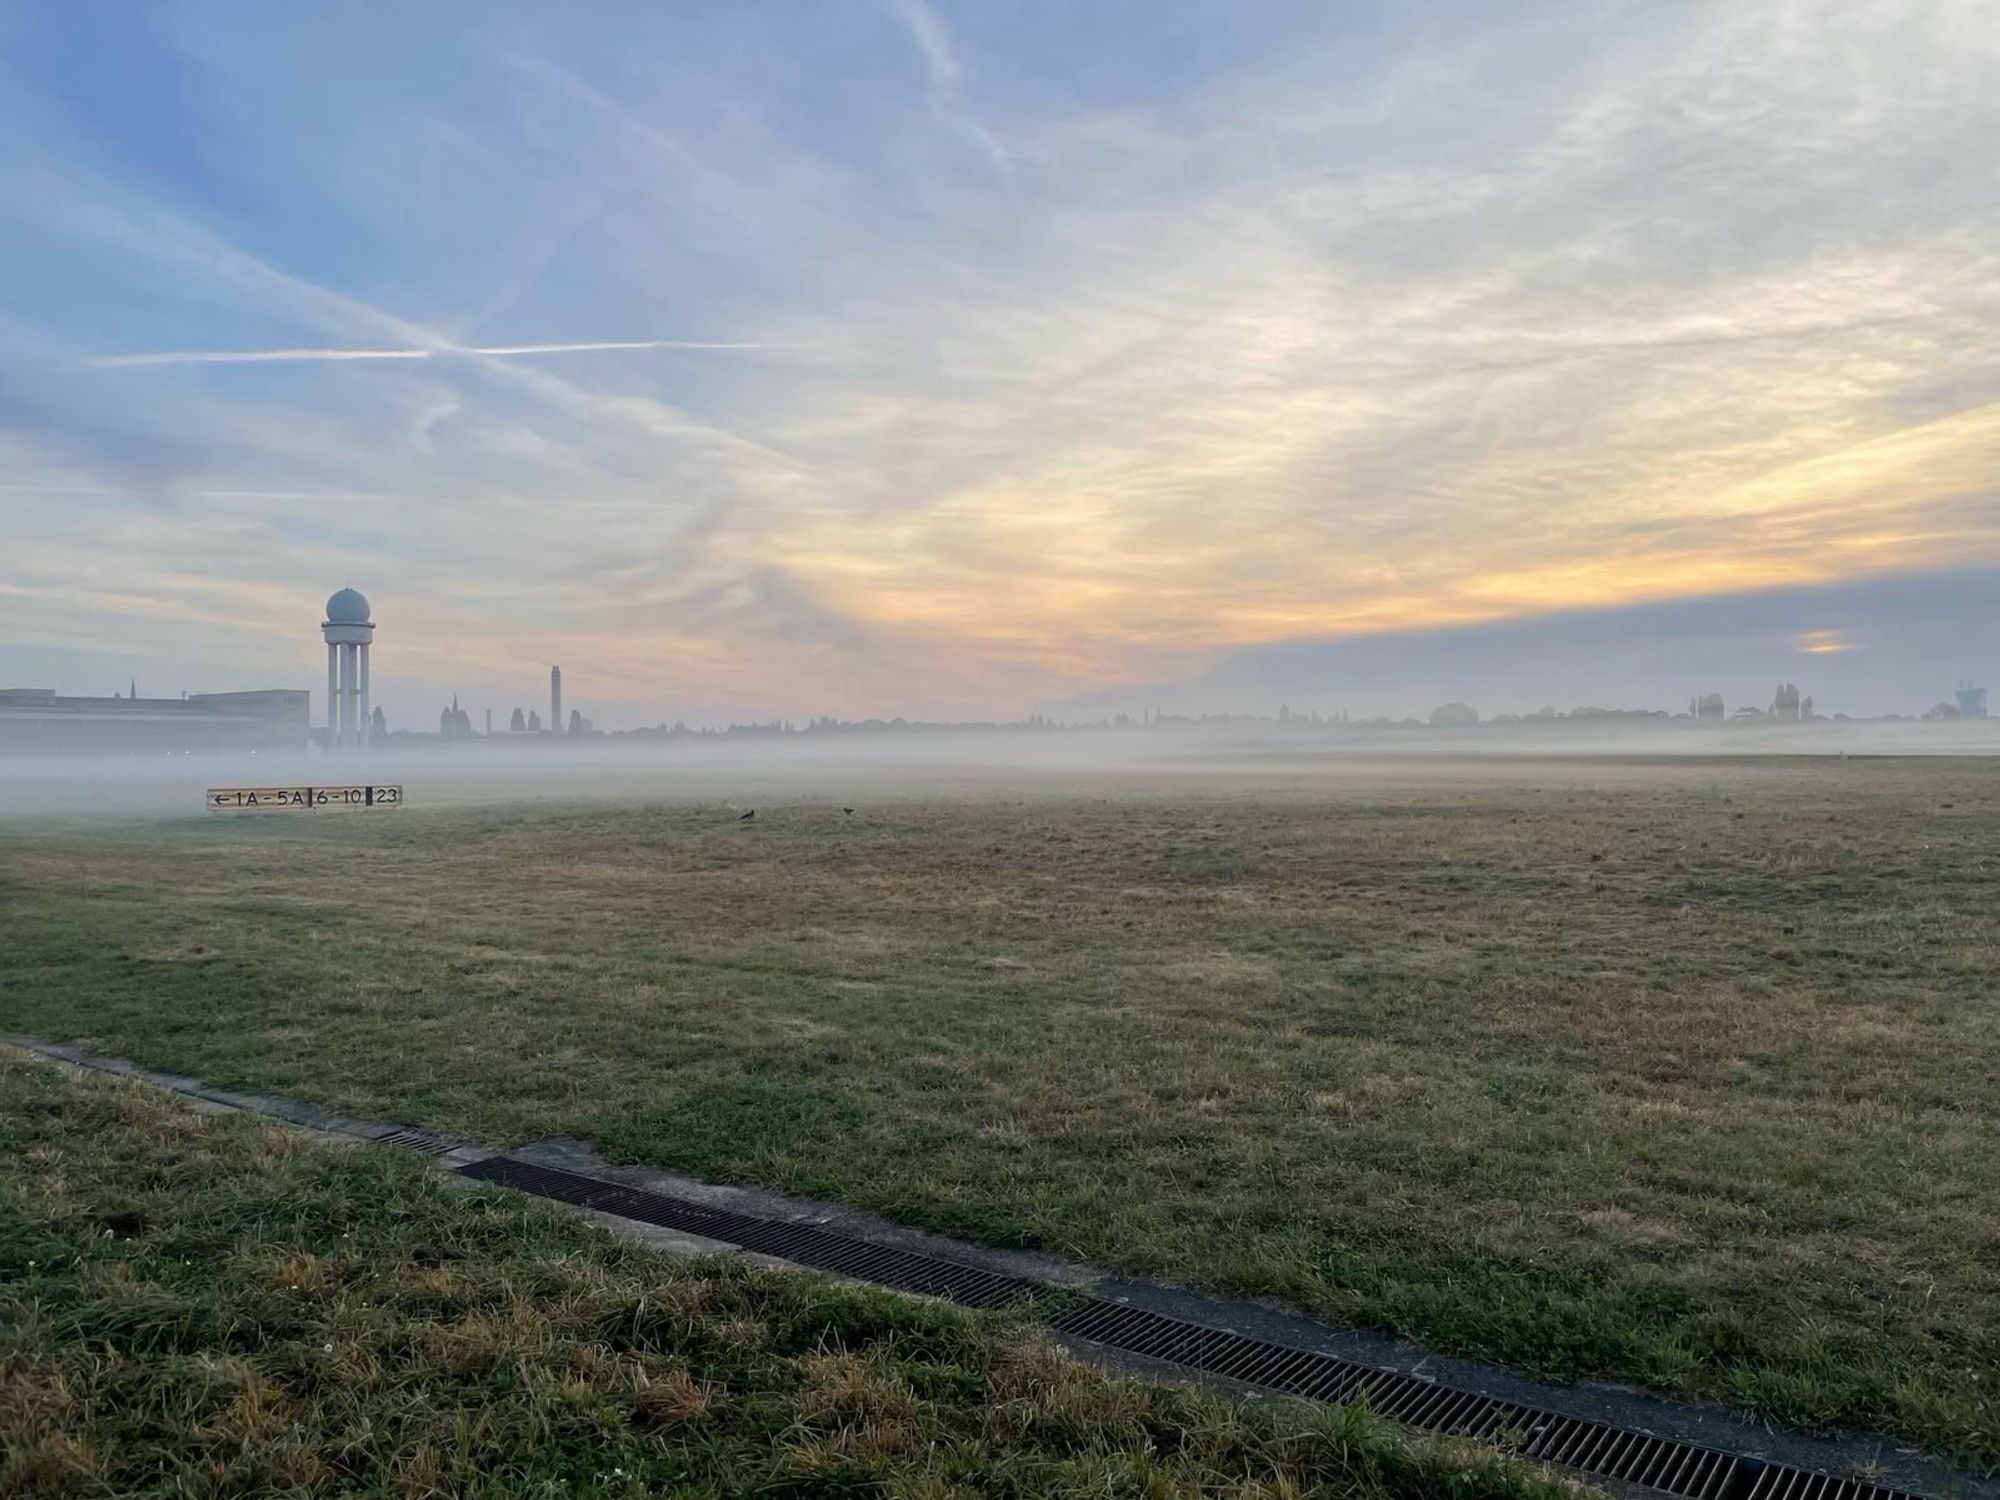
<point x="901" y="356"/>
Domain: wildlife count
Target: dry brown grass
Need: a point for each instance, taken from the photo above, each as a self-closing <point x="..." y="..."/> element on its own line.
<point x="1685" y="1073"/>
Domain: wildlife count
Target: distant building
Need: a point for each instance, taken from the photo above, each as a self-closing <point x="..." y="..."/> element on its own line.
<point x="1971" y="702"/>
<point x="40" y="721"/>
<point x="454" y="723"/>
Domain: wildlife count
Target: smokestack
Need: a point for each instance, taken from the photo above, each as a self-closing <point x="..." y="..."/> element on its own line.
<point x="555" y="700"/>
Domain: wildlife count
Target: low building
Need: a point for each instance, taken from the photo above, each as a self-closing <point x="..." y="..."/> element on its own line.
<point x="39" y="721"/>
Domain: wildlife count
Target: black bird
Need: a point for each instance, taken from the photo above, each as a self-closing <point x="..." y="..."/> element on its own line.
<point x="746" y="817"/>
<point x="848" y="810"/>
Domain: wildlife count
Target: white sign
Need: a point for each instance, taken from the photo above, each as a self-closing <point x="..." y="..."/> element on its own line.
<point x="300" y="798"/>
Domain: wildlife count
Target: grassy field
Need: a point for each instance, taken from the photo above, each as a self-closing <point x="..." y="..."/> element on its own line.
<point x="1685" y="1074"/>
<point x="209" y="1307"/>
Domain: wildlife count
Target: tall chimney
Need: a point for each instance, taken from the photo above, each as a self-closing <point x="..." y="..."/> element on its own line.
<point x="555" y="700"/>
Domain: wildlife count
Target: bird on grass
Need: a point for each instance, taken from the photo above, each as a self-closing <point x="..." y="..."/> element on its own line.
<point x="746" y="817"/>
<point x="848" y="810"/>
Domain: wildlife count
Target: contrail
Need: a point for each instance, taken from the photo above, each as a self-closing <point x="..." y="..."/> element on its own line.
<point x="506" y="349"/>
<point x="295" y="356"/>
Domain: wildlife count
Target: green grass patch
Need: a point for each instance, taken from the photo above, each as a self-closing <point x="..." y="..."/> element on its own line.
<point x="207" y="1306"/>
<point x="1682" y="1075"/>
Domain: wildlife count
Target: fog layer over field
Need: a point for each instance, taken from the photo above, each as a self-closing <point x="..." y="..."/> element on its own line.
<point x="740" y="772"/>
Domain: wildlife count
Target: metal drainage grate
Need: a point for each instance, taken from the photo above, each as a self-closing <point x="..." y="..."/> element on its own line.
<point x="1784" y="1482"/>
<point x="1593" y="1448"/>
<point x="412" y="1139"/>
<point x="1573" y="1442"/>
<point x="824" y="1251"/>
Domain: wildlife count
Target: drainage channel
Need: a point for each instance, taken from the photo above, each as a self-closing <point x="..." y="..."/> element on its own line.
<point x="1599" y="1450"/>
<point x="1621" y="1453"/>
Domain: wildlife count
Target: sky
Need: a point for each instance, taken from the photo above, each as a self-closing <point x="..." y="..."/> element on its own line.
<point x="877" y="357"/>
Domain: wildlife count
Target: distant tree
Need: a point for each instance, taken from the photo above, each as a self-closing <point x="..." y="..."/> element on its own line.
<point x="577" y="723"/>
<point x="519" y="724"/>
<point x="534" y="722"/>
<point x="1454" y="716"/>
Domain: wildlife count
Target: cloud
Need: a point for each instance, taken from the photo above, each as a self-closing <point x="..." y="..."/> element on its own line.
<point x="1902" y="642"/>
<point x="1352" y="333"/>
<point x="1656" y="326"/>
<point x="42" y="411"/>
<point x="302" y="356"/>
<point x="946" y="77"/>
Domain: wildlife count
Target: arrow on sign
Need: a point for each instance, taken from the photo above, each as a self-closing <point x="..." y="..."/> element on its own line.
<point x="304" y="797"/>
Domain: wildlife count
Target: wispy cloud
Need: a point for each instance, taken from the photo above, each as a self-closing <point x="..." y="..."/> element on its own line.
<point x="1578" y="307"/>
<point x="302" y="356"/>
<point x="945" y="76"/>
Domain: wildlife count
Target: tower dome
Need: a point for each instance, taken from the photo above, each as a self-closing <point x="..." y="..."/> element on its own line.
<point x="348" y="607"/>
